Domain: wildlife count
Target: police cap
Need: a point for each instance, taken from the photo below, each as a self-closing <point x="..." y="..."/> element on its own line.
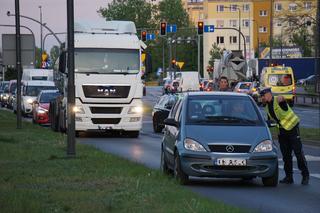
<point x="263" y="91"/>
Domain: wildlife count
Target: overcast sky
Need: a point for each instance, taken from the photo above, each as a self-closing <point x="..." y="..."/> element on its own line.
<point x="54" y="13"/>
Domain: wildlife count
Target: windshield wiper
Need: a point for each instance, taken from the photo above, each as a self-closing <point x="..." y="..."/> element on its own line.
<point x="230" y="119"/>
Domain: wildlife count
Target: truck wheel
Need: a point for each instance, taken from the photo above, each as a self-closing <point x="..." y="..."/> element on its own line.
<point x="132" y="134"/>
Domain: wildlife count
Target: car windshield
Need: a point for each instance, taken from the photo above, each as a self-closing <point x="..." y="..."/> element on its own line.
<point x="35" y="90"/>
<point x="13" y="87"/>
<point x="107" y="61"/>
<point x="245" y="86"/>
<point x="47" y="97"/>
<point x="280" y="79"/>
<point x="222" y="110"/>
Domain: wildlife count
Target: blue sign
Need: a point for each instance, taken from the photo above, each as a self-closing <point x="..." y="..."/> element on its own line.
<point x="171" y="28"/>
<point x="151" y="36"/>
<point x="208" y="28"/>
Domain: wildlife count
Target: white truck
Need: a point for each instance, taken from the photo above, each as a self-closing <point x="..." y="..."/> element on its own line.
<point x="189" y="81"/>
<point x="37" y="74"/>
<point x="108" y="85"/>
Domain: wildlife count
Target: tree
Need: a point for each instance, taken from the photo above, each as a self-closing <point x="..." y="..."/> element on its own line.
<point x="172" y="11"/>
<point x="301" y="39"/>
<point x="138" y="11"/>
<point x="54" y="54"/>
<point x="215" y="53"/>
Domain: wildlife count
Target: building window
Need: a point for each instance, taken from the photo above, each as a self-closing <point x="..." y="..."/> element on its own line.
<point x="247" y="39"/>
<point x="308" y="5"/>
<point x="220" y="40"/>
<point x="292" y="6"/>
<point x="220" y="8"/>
<point x="233" y="23"/>
<point x="246" y="7"/>
<point x="245" y="22"/>
<point x="233" y="39"/>
<point x="220" y="23"/>
<point x="279" y="23"/>
<point x="263" y="13"/>
<point x="233" y="8"/>
<point x="277" y="6"/>
<point x="262" y="29"/>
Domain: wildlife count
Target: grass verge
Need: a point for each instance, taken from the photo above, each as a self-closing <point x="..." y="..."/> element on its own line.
<point x="309" y="134"/>
<point x="36" y="176"/>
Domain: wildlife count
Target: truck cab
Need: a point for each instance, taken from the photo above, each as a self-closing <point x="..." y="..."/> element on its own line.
<point x="108" y="85"/>
<point x="281" y="81"/>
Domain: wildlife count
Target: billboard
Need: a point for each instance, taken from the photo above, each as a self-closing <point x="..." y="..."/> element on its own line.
<point x="27" y="50"/>
<point x="284" y="52"/>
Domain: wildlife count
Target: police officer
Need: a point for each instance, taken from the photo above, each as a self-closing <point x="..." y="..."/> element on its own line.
<point x="289" y="135"/>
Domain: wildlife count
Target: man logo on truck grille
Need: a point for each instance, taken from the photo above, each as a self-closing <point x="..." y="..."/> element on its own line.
<point x="106" y="91"/>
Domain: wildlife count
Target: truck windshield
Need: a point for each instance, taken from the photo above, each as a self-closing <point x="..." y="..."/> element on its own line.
<point x="280" y="79"/>
<point x="35" y="90"/>
<point x="107" y="61"/>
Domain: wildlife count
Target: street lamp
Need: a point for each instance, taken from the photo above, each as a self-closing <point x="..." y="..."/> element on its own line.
<point x="41" y="47"/>
<point x="237" y="7"/>
<point x="257" y="26"/>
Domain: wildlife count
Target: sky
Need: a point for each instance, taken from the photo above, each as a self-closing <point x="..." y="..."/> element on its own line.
<point x="54" y="14"/>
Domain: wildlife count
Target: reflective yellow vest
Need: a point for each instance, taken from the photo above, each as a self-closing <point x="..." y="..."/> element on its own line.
<point x="288" y="119"/>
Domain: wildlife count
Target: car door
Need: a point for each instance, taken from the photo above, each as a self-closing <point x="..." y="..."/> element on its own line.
<point x="171" y="133"/>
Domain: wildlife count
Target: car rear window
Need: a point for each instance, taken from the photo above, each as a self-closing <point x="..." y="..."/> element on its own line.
<point x="245" y="86"/>
<point x="222" y="110"/>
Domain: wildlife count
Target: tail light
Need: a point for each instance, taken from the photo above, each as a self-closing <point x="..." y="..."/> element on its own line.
<point x="238" y="90"/>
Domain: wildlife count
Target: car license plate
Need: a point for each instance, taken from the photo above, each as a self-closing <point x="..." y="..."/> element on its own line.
<point x="231" y="162"/>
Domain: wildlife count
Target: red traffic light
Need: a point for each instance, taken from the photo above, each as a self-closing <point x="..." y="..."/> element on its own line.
<point x="163" y="28"/>
<point x="200" y="27"/>
<point x="143" y="35"/>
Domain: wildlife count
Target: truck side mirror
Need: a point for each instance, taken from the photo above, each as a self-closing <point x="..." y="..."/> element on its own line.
<point x="62" y="62"/>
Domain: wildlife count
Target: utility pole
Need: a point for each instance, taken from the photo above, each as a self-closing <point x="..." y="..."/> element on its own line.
<point x="18" y="63"/>
<point x="199" y="54"/>
<point x="41" y="31"/>
<point x="271" y="31"/>
<point x="71" y="147"/>
<point x="317" y="49"/>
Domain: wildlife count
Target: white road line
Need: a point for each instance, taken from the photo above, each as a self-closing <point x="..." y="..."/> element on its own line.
<point x="315" y="175"/>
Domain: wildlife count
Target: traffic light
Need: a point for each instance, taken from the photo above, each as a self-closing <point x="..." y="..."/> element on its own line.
<point x="163" y="28"/>
<point x="200" y="27"/>
<point x="143" y="35"/>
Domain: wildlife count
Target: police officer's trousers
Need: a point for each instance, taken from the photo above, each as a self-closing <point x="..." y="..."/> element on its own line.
<point x="290" y="141"/>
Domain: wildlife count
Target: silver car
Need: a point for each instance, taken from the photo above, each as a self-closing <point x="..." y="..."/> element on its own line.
<point x="218" y="134"/>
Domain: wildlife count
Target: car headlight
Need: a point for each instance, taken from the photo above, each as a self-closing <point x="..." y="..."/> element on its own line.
<point x="5" y="97"/>
<point x="135" y="110"/>
<point x="29" y="101"/>
<point x="42" y="111"/>
<point x="78" y="109"/>
<point x="264" y="146"/>
<point x="193" y="145"/>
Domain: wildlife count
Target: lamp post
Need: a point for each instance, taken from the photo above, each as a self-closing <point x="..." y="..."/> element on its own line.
<point x="41" y="47"/>
<point x="257" y="26"/>
<point x="48" y="34"/>
<point x="237" y="8"/>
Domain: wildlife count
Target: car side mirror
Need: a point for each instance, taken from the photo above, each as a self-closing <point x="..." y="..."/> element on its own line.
<point x="171" y="122"/>
<point x="271" y="123"/>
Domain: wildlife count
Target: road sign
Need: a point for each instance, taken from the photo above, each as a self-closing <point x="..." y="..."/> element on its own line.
<point x="171" y="28"/>
<point x="180" y="64"/>
<point x="208" y="28"/>
<point x="151" y="36"/>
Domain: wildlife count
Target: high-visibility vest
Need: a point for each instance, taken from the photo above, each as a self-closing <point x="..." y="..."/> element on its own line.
<point x="287" y="119"/>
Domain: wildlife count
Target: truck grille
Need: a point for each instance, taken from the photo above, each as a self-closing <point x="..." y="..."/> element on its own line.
<point x="105" y="120"/>
<point x="102" y="91"/>
<point x="236" y="148"/>
<point x="106" y="110"/>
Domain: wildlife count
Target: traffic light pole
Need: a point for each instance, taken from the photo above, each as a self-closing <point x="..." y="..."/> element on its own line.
<point x="199" y="53"/>
<point x="18" y="64"/>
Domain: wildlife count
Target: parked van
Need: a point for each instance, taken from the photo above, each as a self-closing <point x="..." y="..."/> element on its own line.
<point x="37" y="75"/>
<point x="281" y="81"/>
<point x="30" y="91"/>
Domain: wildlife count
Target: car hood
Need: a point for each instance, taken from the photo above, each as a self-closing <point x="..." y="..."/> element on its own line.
<point x="227" y="134"/>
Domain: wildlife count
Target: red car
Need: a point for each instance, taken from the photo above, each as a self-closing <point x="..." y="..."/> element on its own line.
<point x="40" y="107"/>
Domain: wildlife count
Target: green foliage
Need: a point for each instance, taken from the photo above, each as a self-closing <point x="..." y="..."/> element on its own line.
<point x="215" y="53"/>
<point x="301" y="39"/>
<point x="10" y="74"/>
<point x="54" y="54"/>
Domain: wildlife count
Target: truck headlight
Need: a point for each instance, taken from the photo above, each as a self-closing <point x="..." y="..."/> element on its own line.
<point x="29" y="101"/>
<point x="264" y="146"/>
<point x="193" y="145"/>
<point x="78" y="109"/>
<point x="135" y="110"/>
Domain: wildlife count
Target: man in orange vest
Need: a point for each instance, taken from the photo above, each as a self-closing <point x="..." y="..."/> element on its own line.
<point x="289" y="134"/>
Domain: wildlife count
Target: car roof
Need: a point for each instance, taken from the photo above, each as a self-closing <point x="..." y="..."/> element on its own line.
<point x="200" y="93"/>
<point x="50" y="91"/>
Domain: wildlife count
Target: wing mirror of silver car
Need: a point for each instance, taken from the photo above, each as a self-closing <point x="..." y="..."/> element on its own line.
<point x="171" y="122"/>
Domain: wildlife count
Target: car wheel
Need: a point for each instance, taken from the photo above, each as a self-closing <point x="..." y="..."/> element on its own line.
<point x="273" y="180"/>
<point x="179" y="175"/>
<point x="163" y="164"/>
<point x="133" y="134"/>
<point x="156" y="127"/>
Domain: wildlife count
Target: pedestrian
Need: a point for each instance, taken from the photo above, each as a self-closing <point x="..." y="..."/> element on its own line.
<point x="224" y="84"/>
<point x="289" y="134"/>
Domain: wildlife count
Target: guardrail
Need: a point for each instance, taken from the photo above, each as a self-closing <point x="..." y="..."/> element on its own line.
<point x="307" y="98"/>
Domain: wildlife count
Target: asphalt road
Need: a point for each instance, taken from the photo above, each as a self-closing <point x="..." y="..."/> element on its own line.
<point x="250" y="195"/>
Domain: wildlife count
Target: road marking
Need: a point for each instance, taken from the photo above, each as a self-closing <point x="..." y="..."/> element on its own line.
<point x="315" y="175"/>
<point x="308" y="158"/>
